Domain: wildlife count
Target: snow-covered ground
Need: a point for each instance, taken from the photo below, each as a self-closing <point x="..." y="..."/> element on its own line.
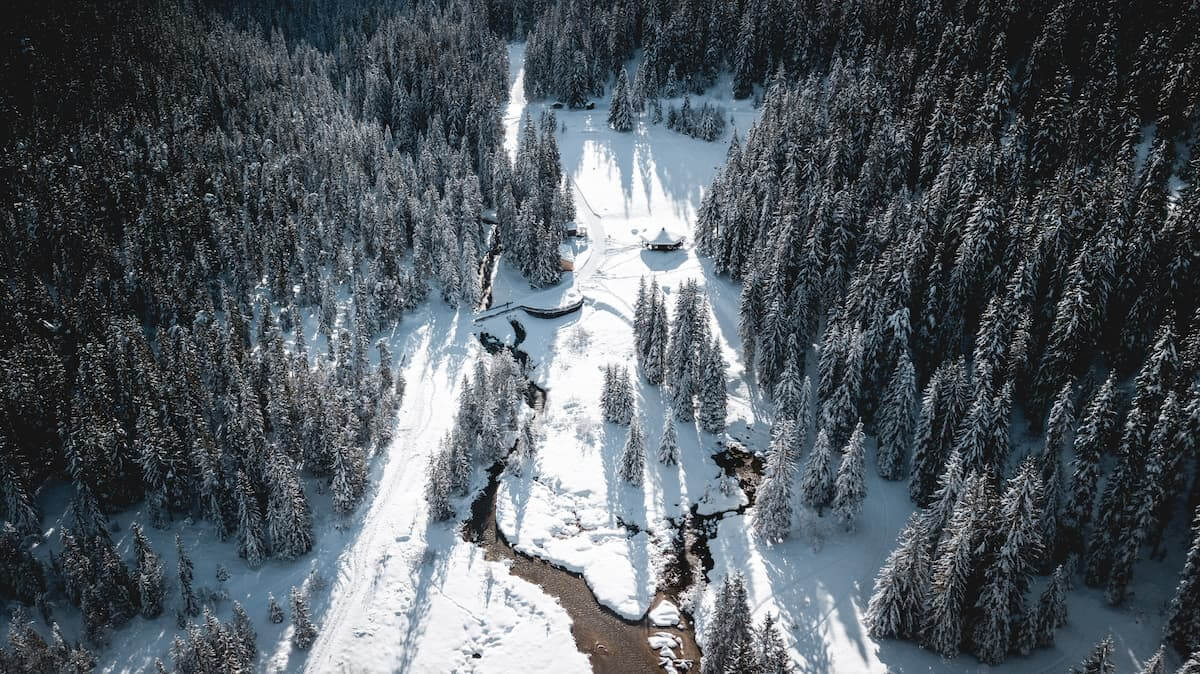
<point x="404" y="594"/>
<point x="575" y="512"/>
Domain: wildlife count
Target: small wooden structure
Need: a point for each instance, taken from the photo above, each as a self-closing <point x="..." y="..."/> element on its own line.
<point x="575" y="230"/>
<point x="663" y="241"/>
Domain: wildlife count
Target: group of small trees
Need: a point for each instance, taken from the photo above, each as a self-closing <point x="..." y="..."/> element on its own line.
<point x="706" y="123"/>
<point x="487" y="423"/>
<point x="533" y="202"/>
<point x="731" y="641"/>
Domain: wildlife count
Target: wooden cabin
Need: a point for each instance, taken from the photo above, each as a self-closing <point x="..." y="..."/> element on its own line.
<point x="664" y="240"/>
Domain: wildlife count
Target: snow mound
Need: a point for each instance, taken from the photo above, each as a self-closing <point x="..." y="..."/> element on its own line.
<point x="665" y="614"/>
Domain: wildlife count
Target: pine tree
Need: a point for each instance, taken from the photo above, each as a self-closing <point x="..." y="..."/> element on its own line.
<point x="850" y="486"/>
<point x="620" y="113"/>
<point x="790" y="390"/>
<point x="151" y="576"/>
<point x="668" y="446"/>
<point x="898" y="601"/>
<point x="773" y="504"/>
<point x="1099" y="661"/>
<point x="190" y="606"/>
<point x="728" y="631"/>
<point x="1155" y="665"/>
<point x="896" y="421"/>
<point x="289" y="521"/>
<point x="1052" y="608"/>
<point x="274" y="613"/>
<point x="243" y="629"/>
<point x="633" y="454"/>
<point x="951" y="572"/>
<point x="817" y="480"/>
<point x="712" y="395"/>
<point x="770" y="654"/>
<point x="1183" y="616"/>
<point x="438" y="485"/>
<point x="927" y="456"/>
<point x="251" y="546"/>
<point x="1099" y="422"/>
<point x="1007" y="578"/>
<point x="303" y="631"/>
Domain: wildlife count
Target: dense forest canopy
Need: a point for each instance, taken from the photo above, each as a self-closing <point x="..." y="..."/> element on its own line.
<point x="972" y="223"/>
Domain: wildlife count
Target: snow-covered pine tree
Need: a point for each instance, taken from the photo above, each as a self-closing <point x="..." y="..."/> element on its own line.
<point x="1058" y="427"/>
<point x="945" y="612"/>
<point x="1007" y="578"/>
<point x="274" y="612"/>
<point x="190" y="606"/>
<point x="625" y="405"/>
<point x="668" y="446"/>
<point x="632" y="464"/>
<point x="151" y="577"/>
<point x="437" y="485"/>
<point x="770" y="654"/>
<point x="850" y="489"/>
<point x="927" y="458"/>
<point x="729" y="629"/>
<point x="898" y="601"/>
<point x="620" y="112"/>
<point x="641" y="321"/>
<point x="1100" y="661"/>
<point x="1183" y="616"/>
<point x="1093" y="435"/>
<point x="657" y="336"/>
<point x="816" y="482"/>
<point x="712" y="395"/>
<point x="789" y="390"/>
<point x="1052" y="608"/>
<point x="1156" y="664"/>
<point x="896" y="420"/>
<point x="289" y="521"/>
<point x="243" y="629"/>
<point x="303" y="631"/>
<point x="773" y="504"/>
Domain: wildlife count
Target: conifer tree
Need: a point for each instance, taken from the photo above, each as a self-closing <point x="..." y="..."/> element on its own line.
<point x="1052" y="608"/>
<point x="243" y="629"/>
<point x="303" y="631"/>
<point x="438" y="485"/>
<point x="1099" y="661"/>
<point x="190" y="606"/>
<point x="896" y="420"/>
<point x="1155" y="665"/>
<point x="633" y="454"/>
<point x="668" y="446"/>
<point x="274" y="612"/>
<point x="729" y="630"/>
<point x="1098" y="424"/>
<point x="850" y="489"/>
<point x="251" y="546"/>
<point x="620" y="112"/>
<point x="898" y="601"/>
<point x="817" y="480"/>
<point x="712" y="395"/>
<point x="151" y="577"/>
<point x="773" y="505"/>
<point x="1183" y="616"/>
<point x="770" y="654"/>
<point x="927" y="458"/>
<point x="952" y="569"/>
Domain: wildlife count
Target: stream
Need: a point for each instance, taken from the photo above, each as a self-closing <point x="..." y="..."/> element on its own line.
<point x="613" y="644"/>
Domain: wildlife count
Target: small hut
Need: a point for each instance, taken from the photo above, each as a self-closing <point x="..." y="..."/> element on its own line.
<point x="575" y="230"/>
<point x="664" y="240"/>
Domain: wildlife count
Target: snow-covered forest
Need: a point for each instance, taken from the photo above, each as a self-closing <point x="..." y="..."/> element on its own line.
<point x="490" y="335"/>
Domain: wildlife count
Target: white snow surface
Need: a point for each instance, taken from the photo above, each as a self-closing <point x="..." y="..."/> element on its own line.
<point x="408" y="595"/>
